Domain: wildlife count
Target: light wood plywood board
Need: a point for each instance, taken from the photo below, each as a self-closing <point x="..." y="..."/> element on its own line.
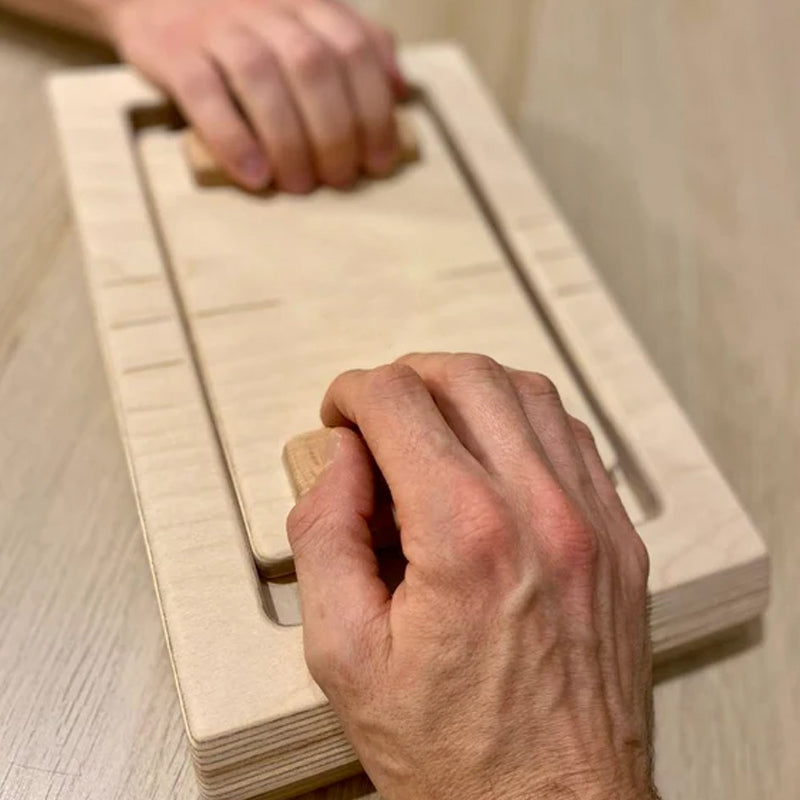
<point x="181" y="379"/>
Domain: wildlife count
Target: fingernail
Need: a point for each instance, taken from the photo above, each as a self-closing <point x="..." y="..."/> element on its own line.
<point x="342" y="179"/>
<point x="298" y="184"/>
<point x="332" y="446"/>
<point x="401" y="86"/>
<point x="383" y="162"/>
<point x="255" y="169"/>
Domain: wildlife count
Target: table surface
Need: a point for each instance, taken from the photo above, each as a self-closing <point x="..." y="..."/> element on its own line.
<point x="87" y="705"/>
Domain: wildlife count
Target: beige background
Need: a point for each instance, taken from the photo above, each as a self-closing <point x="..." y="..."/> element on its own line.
<point x="668" y="133"/>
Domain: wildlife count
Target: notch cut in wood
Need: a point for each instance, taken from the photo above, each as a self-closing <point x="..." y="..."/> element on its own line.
<point x="208" y="172"/>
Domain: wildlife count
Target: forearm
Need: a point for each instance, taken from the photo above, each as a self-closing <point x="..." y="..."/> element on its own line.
<point x="89" y="17"/>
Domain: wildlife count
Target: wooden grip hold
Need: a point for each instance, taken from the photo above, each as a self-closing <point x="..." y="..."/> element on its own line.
<point x="304" y="457"/>
<point x="207" y="172"/>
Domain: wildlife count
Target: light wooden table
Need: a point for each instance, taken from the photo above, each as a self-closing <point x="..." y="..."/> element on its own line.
<point x="87" y="706"/>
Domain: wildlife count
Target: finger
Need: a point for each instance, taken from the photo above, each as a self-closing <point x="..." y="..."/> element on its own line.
<point x="367" y="80"/>
<point x="624" y="573"/>
<point x="548" y="418"/>
<point x="385" y="45"/>
<point x="252" y="70"/>
<point x="620" y="527"/>
<point x="341" y="592"/>
<point x="320" y="93"/>
<point x="477" y="398"/>
<point x="387" y="48"/>
<point x="601" y="480"/>
<point x="412" y="444"/>
<point x="201" y="93"/>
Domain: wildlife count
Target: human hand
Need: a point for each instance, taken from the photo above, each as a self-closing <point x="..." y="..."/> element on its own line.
<point x="293" y="92"/>
<point x="513" y="660"/>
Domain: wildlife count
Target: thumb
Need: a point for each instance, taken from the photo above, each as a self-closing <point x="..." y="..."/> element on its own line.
<point x="337" y="570"/>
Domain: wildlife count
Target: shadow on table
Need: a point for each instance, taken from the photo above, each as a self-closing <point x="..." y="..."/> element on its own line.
<point x="712" y="650"/>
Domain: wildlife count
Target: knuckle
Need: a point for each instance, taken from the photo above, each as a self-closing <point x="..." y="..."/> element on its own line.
<point x="336" y="657"/>
<point x="631" y="568"/>
<point x="485" y="524"/>
<point x="236" y="148"/>
<point x="383" y="38"/>
<point x="411" y="355"/>
<point x="326" y="660"/>
<point x="194" y="82"/>
<point x="168" y="35"/>
<point x="572" y="543"/>
<point x="641" y="562"/>
<point x="309" y="58"/>
<point x="254" y="65"/>
<point x="386" y="38"/>
<point x="353" y="47"/>
<point x="305" y="518"/>
<point x="290" y="154"/>
<point x="470" y="367"/>
<point x="576" y="551"/>
<point x="391" y="379"/>
<point x="297" y="177"/>
<point x="341" y="176"/>
<point x="339" y="145"/>
<point x="581" y="431"/>
<point x="534" y="384"/>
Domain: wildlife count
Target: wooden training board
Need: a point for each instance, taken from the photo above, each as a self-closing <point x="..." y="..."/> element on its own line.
<point x="224" y="315"/>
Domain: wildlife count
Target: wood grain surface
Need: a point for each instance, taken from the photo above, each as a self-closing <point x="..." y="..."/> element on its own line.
<point x="87" y="703"/>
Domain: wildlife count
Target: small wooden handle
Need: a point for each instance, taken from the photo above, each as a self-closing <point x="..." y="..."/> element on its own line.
<point x="304" y="457"/>
<point x="207" y="172"/>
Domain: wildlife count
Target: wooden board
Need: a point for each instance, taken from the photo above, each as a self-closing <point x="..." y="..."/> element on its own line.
<point x="206" y="397"/>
